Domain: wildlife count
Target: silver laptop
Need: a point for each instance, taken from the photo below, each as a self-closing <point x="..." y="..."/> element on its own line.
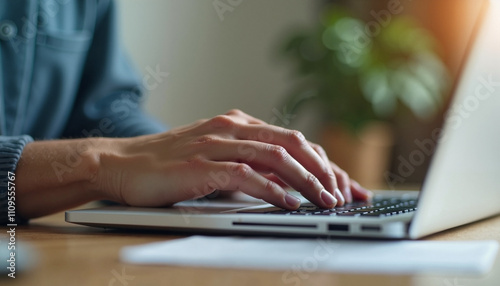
<point x="460" y="187"/>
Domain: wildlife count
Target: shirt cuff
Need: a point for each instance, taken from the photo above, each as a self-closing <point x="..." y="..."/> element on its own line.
<point x="11" y="148"/>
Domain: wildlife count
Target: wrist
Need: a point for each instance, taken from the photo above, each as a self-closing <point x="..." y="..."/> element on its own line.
<point x="104" y="163"/>
<point x="96" y="156"/>
<point x="54" y="175"/>
<point x="90" y="151"/>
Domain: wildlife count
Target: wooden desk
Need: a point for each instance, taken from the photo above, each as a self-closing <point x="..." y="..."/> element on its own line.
<point x="69" y="254"/>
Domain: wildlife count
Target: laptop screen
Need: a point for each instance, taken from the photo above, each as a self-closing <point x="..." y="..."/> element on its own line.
<point x="461" y="185"/>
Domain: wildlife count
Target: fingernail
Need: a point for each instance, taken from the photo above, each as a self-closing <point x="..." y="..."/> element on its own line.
<point x="340" y="197"/>
<point x="328" y="198"/>
<point x="369" y="195"/>
<point x="291" y="200"/>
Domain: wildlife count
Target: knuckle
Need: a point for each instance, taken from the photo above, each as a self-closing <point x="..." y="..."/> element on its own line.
<point x="221" y="121"/>
<point x="241" y="171"/>
<point x="278" y="153"/>
<point x="234" y="111"/>
<point x="270" y="187"/>
<point x="327" y="174"/>
<point x="296" y="137"/>
<point x="311" y="181"/>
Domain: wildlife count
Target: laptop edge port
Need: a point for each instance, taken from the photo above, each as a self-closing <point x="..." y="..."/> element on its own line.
<point x="338" y="227"/>
<point x="371" y="228"/>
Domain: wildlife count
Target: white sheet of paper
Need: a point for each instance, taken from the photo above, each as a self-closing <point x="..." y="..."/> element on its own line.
<point x="353" y="256"/>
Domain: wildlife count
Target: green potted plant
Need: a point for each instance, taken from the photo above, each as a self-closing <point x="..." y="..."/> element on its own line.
<point x="362" y="78"/>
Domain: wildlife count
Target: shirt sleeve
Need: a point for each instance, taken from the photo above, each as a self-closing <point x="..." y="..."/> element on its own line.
<point x="11" y="148"/>
<point x="110" y="94"/>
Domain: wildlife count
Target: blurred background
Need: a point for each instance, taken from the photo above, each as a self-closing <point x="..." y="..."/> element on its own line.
<point x="369" y="80"/>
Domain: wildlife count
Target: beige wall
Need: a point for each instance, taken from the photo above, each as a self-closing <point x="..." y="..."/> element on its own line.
<point x="213" y="64"/>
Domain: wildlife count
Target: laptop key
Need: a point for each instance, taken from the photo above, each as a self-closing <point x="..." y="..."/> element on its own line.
<point x="375" y="208"/>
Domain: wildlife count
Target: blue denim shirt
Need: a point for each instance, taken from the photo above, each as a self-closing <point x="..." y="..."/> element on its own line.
<point x="63" y="74"/>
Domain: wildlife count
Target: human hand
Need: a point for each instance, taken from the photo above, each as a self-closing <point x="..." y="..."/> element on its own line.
<point x="228" y="152"/>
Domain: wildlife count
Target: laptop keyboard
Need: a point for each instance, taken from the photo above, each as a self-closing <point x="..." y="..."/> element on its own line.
<point x="378" y="207"/>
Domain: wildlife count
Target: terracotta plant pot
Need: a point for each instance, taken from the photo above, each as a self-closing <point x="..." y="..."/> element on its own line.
<point x="365" y="155"/>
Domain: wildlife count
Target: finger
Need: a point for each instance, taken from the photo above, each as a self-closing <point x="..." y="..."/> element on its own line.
<point x="274" y="178"/>
<point x="350" y="188"/>
<point x="264" y="157"/>
<point x="296" y="145"/>
<point x="241" y="177"/>
<point x="359" y="192"/>
<point x="200" y="177"/>
<point x="343" y="181"/>
<point x="342" y="193"/>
